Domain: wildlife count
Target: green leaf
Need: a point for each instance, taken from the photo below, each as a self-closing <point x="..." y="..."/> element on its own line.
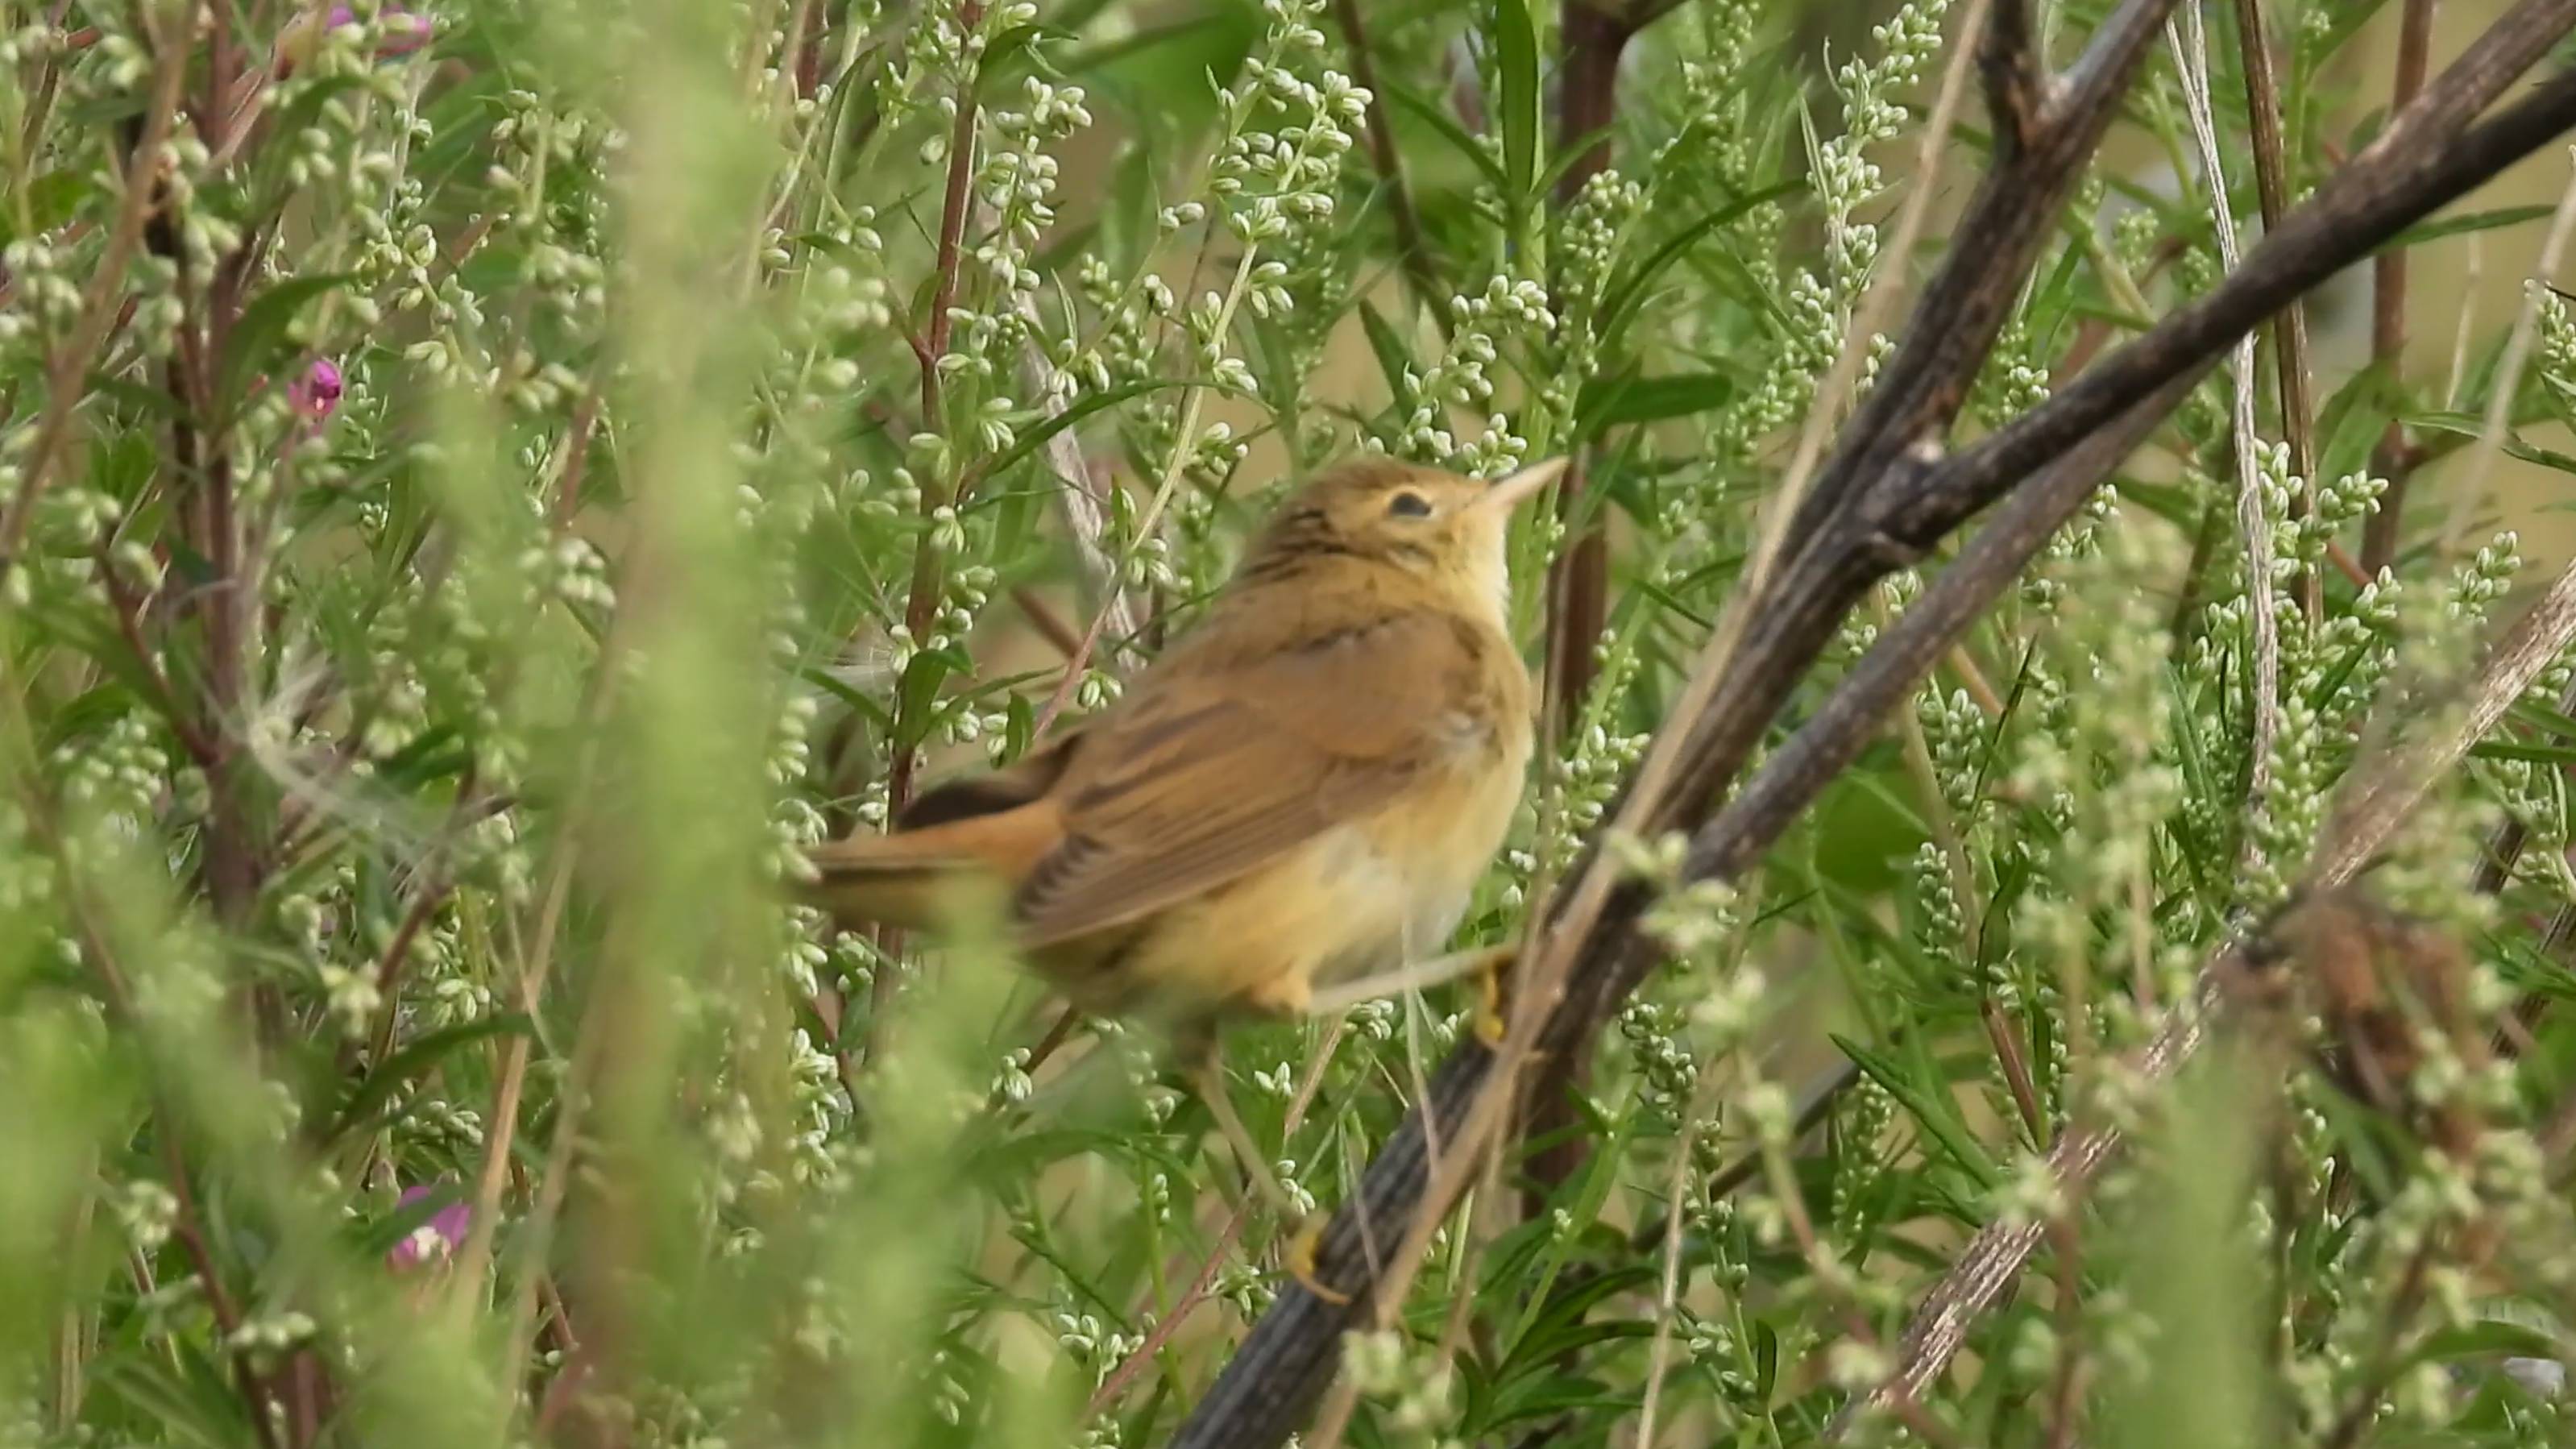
<point x="1650" y="399"/>
<point x="2341" y="24"/>
<point x="2424" y="231"/>
<point x="2518" y="750"/>
<point x="154" y="402"/>
<point x="175" y="1407"/>
<point x="51" y="200"/>
<point x="1029" y="440"/>
<point x="256" y="340"/>
<point x="1930" y="1110"/>
<point x="1092" y="58"/>
<point x="409" y="1063"/>
<point x="1547" y="1395"/>
<point x="1624" y="297"/>
<point x="1450" y="131"/>
<point x="1516" y="56"/>
<point x="1394" y="359"/>
<point x="2353" y="421"/>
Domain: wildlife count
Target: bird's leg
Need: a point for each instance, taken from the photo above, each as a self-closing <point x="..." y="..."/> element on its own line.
<point x="1206" y="1071"/>
<point x="1487" y="962"/>
<point x="1491" y="994"/>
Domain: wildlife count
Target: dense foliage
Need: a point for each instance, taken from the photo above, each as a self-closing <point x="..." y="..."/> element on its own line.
<point x="483" y="489"/>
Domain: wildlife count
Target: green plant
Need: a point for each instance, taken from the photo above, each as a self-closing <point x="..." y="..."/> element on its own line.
<point x="482" y="490"/>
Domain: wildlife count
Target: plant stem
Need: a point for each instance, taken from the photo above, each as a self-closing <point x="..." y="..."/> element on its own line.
<point x="2390" y="458"/>
<point x="922" y="604"/>
<point x="2290" y="328"/>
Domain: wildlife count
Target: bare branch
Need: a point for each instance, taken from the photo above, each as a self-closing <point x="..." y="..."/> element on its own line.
<point x="2290" y="328"/>
<point x="99" y="305"/>
<point x="2254" y="531"/>
<point x="2388" y="310"/>
<point x="1412" y="250"/>
<point x="1893" y="495"/>
<point x="2010" y="60"/>
<point x="1993" y="1259"/>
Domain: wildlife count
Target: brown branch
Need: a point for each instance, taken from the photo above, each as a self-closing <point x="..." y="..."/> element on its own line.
<point x="1043" y="618"/>
<point x="2290" y="328"/>
<point x="2009" y="61"/>
<point x="129" y="628"/>
<point x="1578" y="584"/>
<point x="1412" y="249"/>
<point x="1887" y="498"/>
<point x="100" y="305"/>
<point x="923" y="603"/>
<point x="2390" y="459"/>
<point x="2376" y="798"/>
<point x="2382" y="1370"/>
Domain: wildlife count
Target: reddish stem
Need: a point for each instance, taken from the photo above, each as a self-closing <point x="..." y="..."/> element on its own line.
<point x="923" y="604"/>
<point x="2391" y="459"/>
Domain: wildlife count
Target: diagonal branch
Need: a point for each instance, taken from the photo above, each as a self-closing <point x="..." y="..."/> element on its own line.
<point x="1894" y="497"/>
<point x="2290" y="329"/>
<point x="1963" y="310"/>
<point x="2009" y="59"/>
<point x="1993" y="1259"/>
<point x="1412" y="249"/>
<point x="2392" y="459"/>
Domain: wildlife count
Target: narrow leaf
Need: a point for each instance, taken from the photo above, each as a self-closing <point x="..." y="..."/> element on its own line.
<point x="1516" y="53"/>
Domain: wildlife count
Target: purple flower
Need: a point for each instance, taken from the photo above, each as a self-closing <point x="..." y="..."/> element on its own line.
<point x="317" y="393"/>
<point x="434" y="1240"/>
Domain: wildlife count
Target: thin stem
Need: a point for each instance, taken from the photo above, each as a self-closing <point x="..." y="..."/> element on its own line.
<point x="1192" y="396"/>
<point x="1892" y="496"/>
<point x="2254" y="530"/>
<point x="922" y="604"/>
<point x="2388" y="310"/>
<point x="99" y="306"/>
<point x="1412" y="249"/>
<point x="2290" y="328"/>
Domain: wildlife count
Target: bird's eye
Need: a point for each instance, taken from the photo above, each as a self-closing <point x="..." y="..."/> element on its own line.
<point x="1408" y="505"/>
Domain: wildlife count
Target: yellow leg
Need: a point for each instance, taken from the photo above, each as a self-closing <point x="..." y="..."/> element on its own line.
<point x="1488" y="961"/>
<point x="1299" y="1260"/>
<point x="1490" y="1022"/>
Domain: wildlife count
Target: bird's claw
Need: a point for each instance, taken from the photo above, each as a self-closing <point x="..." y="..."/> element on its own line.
<point x="1490" y="1023"/>
<point x="1299" y="1259"/>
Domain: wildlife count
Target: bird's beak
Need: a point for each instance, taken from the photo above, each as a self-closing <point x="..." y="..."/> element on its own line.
<point x="1508" y="493"/>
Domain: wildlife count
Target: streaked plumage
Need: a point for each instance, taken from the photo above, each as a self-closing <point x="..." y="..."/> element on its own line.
<point x="1301" y="791"/>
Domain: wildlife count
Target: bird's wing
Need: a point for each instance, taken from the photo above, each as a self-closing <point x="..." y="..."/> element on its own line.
<point x="1205" y="775"/>
<point x="993" y="791"/>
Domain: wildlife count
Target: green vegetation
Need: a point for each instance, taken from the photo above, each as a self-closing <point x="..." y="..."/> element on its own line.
<point x="483" y="489"/>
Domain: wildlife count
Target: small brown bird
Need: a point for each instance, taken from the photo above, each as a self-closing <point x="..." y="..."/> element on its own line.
<point x="1291" y="807"/>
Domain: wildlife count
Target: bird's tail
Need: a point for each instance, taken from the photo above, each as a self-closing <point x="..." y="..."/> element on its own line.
<point x="885" y="880"/>
<point x="921" y="879"/>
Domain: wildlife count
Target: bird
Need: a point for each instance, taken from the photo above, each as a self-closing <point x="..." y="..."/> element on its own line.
<point x="1287" y="811"/>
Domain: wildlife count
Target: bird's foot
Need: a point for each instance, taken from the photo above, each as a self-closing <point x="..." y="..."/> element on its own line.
<point x="1299" y="1259"/>
<point x="1493" y="993"/>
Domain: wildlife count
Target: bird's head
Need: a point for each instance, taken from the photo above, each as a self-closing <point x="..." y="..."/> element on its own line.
<point x="1447" y="528"/>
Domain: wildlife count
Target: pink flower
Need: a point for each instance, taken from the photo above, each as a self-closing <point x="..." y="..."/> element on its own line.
<point x="434" y="1240"/>
<point x="317" y="393"/>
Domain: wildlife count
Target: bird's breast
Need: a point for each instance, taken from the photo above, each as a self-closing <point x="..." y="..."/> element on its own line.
<point x="1405" y="874"/>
